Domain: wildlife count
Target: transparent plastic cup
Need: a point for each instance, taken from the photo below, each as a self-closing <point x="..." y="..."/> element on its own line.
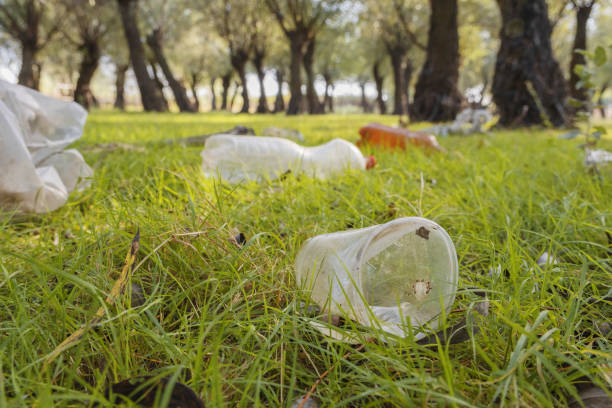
<point x="389" y="276"/>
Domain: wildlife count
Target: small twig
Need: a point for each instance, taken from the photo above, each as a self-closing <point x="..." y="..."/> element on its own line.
<point x="326" y="373"/>
<point x="110" y="299"/>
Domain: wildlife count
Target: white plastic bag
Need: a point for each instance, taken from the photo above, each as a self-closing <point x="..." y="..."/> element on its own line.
<point x="36" y="174"/>
<point x="389" y="276"/>
<point x="595" y="157"/>
<point x="238" y="158"/>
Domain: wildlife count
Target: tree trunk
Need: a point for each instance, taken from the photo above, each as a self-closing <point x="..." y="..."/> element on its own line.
<point x="330" y="100"/>
<point x="234" y="94"/>
<point x="327" y="98"/>
<point x="314" y="105"/>
<point x="158" y="84"/>
<point x="379" y="80"/>
<point x="195" y="79"/>
<point x="213" y="102"/>
<point x="239" y="59"/>
<point x="225" y="82"/>
<point x="87" y="69"/>
<point x="279" y="103"/>
<point x="602" y="108"/>
<point x="154" y="40"/>
<point x="525" y="56"/>
<point x="436" y="97"/>
<point x="120" y="86"/>
<point x="398" y="55"/>
<point x="29" y="75"/>
<point x="407" y="80"/>
<point x="365" y="106"/>
<point x="245" y="92"/>
<point x="258" y="59"/>
<point x="150" y="95"/>
<point x="297" y="43"/>
<point x="580" y="43"/>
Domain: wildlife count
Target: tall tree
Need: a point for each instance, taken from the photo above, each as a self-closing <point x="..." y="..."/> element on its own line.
<point x="155" y="42"/>
<point x="527" y="77"/>
<point x="312" y="100"/>
<point x="150" y="94"/>
<point x="378" y="81"/>
<point x="234" y="20"/>
<point x="167" y="22"/>
<point x="120" y="73"/>
<point x="399" y="26"/>
<point x="33" y="24"/>
<point x="583" y="12"/>
<point x="300" y="21"/>
<point x="436" y="96"/>
<point x="262" y="36"/>
<point x="88" y="24"/>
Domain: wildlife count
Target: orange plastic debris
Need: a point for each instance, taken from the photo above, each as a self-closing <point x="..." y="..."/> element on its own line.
<point x="376" y="134"/>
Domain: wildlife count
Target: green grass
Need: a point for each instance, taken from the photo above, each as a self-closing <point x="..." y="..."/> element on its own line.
<point x="226" y="319"/>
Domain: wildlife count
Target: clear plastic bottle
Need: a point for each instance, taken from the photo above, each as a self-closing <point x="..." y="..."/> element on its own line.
<point x="238" y="158"/>
<point x="388" y="276"/>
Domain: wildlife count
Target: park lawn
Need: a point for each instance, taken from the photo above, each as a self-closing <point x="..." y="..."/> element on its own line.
<point x="226" y="319"/>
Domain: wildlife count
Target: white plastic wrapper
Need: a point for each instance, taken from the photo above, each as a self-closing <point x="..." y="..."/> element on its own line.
<point x="595" y="157"/>
<point x="36" y="173"/>
<point x="238" y="158"/>
<point x="389" y="276"/>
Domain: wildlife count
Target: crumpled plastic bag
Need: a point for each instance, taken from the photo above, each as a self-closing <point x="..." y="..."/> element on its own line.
<point x="238" y="158"/>
<point x="467" y="122"/>
<point x="389" y="276"/>
<point x="595" y="157"/>
<point x="36" y="173"/>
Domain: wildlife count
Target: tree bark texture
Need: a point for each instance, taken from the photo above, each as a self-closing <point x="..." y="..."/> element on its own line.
<point x="327" y="96"/>
<point x="279" y="102"/>
<point x="89" y="64"/>
<point x="121" y="70"/>
<point x="583" y="13"/>
<point x="398" y="57"/>
<point x="29" y="73"/>
<point x="314" y="105"/>
<point x="149" y="93"/>
<point x="297" y="43"/>
<point x="213" y="95"/>
<point x="258" y="60"/>
<point x="525" y="56"/>
<point x="379" y="81"/>
<point x="193" y="85"/>
<point x="407" y="80"/>
<point x="154" y="40"/>
<point x="234" y="94"/>
<point x="436" y="96"/>
<point x="158" y="83"/>
<point x="365" y="106"/>
<point x="239" y="59"/>
<point x="226" y="80"/>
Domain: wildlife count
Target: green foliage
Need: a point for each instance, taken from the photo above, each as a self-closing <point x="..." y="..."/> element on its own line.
<point x="586" y="73"/>
<point x="225" y="319"/>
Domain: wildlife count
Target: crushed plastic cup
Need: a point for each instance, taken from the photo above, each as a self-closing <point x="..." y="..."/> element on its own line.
<point x="375" y="134"/>
<point x="238" y="158"/>
<point x="389" y="276"/>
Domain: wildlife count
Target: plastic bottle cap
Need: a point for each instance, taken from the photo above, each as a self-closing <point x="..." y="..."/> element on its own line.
<point x="370" y="162"/>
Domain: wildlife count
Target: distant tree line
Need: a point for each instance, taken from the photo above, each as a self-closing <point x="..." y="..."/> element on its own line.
<point x="175" y="45"/>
